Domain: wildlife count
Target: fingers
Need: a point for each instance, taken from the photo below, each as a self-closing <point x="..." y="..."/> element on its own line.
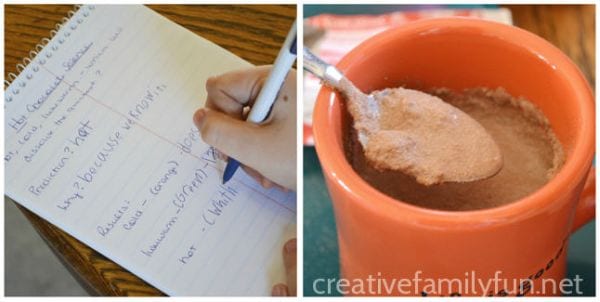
<point x="256" y="146"/>
<point x="231" y="92"/>
<point x="236" y="138"/>
<point x="280" y="290"/>
<point x="289" y="260"/>
<point x="263" y="181"/>
<point x="253" y="173"/>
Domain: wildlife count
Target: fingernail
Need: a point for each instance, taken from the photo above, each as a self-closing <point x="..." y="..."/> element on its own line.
<point x="199" y="115"/>
<point x="265" y="183"/>
<point x="210" y="81"/>
<point x="279" y="290"/>
<point x="290" y="246"/>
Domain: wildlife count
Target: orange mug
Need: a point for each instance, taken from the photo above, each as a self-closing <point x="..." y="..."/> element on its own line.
<point x="519" y="245"/>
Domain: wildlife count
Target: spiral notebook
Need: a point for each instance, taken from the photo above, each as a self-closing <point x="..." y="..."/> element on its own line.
<point x="99" y="141"/>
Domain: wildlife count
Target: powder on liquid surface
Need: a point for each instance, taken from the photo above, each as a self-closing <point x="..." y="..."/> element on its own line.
<point x="531" y="155"/>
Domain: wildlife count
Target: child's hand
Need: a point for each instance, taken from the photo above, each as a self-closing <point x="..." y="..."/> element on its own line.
<point x="268" y="150"/>
<point x="289" y="260"/>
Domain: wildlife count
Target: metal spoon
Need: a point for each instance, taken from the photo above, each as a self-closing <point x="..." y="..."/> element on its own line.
<point x="334" y="78"/>
<point x="430" y="145"/>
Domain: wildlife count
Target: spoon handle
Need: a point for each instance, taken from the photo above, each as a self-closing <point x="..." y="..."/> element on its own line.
<point x="321" y="69"/>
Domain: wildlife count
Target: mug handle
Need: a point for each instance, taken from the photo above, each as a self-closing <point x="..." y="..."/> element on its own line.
<point x="586" y="207"/>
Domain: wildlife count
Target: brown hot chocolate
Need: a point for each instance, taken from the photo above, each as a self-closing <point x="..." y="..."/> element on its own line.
<point x="531" y="153"/>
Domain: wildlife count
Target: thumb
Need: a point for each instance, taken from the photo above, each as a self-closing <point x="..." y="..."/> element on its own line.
<point x="236" y="138"/>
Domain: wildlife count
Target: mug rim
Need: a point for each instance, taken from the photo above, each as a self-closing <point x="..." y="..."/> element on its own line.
<point x="335" y="165"/>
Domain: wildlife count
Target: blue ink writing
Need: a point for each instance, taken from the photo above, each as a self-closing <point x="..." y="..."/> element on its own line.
<point x="37" y="104"/>
<point x="69" y="64"/>
<point x="105" y="228"/>
<point x="172" y="171"/>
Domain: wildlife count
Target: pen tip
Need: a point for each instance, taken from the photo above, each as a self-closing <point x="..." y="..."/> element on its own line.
<point x="227" y="175"/>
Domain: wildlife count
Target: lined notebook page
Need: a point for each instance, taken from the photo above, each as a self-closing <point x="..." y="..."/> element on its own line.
<point x="99" y="140"/>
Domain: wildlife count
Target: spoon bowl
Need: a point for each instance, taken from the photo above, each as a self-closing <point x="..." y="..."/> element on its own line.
<point x="414" y="132"/>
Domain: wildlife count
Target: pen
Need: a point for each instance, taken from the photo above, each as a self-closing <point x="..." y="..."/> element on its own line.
<point x="268" y="94"/>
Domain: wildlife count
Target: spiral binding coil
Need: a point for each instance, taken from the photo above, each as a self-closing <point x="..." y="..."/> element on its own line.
<point x="34" y="54"/>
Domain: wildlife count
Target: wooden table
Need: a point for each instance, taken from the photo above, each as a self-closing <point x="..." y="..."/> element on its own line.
<point x="569" y="27"/>
<point x="255" y="33"/>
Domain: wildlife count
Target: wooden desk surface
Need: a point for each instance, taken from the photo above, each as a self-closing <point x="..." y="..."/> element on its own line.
<point x="254" y="33"/>
<point x="569" y="27"/>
